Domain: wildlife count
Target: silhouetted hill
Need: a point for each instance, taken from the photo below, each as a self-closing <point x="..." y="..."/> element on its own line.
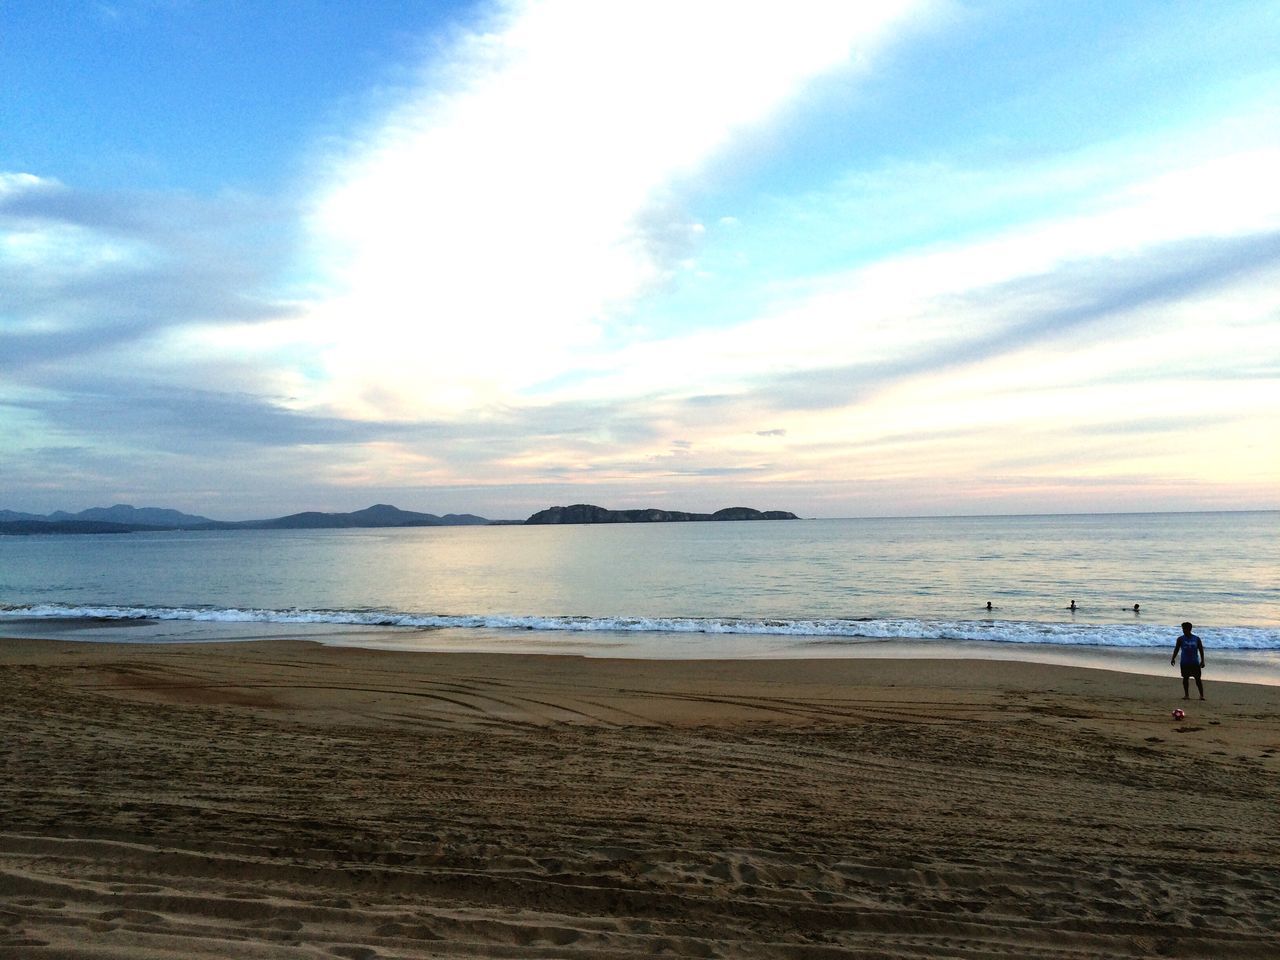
<point x="135" y="516"/>
<point x="379" y="515"/>
<point x="123" y="518"/>
<point x="14" y="516"/>
<point x="590" y="513"/>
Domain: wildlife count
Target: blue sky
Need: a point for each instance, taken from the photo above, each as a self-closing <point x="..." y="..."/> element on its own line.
<point x="927" y="257"/>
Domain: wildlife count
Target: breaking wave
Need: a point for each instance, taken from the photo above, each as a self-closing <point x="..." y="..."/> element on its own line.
<point x="819" y="630"/>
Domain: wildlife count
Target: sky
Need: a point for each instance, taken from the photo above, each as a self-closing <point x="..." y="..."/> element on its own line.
<point x="917" y="257"/>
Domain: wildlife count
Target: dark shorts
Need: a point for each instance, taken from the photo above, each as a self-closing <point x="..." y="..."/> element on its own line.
<point x="1190" y="670"/>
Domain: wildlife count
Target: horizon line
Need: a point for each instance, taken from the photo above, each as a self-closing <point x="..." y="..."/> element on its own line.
<point x="923" y="516"/>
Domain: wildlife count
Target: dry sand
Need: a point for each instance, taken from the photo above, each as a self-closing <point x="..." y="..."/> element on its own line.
<point x="283" y="799"/>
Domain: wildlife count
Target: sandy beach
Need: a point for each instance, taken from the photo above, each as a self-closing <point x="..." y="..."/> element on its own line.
<point x="286" y="799"/>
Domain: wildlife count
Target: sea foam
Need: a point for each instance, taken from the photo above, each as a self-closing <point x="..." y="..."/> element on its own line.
<point x="818" y="630"/>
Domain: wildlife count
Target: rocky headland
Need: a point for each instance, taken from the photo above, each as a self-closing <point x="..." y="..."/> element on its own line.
<point x="590" y="513"/>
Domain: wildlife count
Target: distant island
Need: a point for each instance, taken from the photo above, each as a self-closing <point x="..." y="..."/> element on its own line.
<point x="123" y="518"/>
<point x="589" y="513"/>
<point x="122" y="515"/>
<point x="379" y="515"/>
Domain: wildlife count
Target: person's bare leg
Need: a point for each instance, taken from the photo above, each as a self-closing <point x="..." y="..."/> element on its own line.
<point x="1200" y="687"/>
<point x="1186" y="690"/>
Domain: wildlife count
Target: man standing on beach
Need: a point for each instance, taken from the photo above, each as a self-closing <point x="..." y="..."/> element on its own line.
<point x="1192" y="660"/>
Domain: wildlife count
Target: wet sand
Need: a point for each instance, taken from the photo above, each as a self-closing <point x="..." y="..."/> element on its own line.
<point x="287" y="799"/>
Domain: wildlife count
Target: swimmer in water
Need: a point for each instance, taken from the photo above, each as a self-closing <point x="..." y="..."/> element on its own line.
<point x="1135" y="608"/>
<point x="1073" y="606"/>
<point x="989" y="606"/>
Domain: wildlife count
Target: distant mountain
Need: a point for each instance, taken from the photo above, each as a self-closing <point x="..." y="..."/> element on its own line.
<point x="134" y="516"/>
<point x="589" y="513"/>
<point x="379" y="515"/>
<point x="123" y="518"/>
<point x="13" y="516"/>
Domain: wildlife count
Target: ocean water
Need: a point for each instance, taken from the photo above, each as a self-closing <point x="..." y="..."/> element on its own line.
<point x="744" y="589"/>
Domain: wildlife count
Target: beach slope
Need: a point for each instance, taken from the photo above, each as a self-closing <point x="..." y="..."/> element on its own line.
<point x="284" y="799"/>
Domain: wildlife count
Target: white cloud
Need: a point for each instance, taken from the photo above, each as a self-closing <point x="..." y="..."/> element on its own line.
<point x="486" y="230"/>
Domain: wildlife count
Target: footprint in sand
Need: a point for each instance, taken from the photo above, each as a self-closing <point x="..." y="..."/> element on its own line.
<point x="131" y="916"/>
<point x="354" y="952"/>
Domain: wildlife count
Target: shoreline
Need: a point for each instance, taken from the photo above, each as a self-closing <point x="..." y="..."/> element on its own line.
<point x="1236" y="666"/>
<point x="668" y="690"/>
<point x="584" y="690"/>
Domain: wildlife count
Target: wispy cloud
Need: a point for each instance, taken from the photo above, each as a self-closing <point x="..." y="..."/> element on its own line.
<point x="1153" y="239"/>
<point x="1047" y="311"/>
<point x="81" y="272"/>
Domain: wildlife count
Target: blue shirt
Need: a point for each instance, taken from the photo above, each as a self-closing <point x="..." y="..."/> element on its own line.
<point x="1190" y="649"/>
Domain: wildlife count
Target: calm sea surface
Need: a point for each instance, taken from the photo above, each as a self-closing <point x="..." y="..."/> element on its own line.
<point x="781" y="588"/>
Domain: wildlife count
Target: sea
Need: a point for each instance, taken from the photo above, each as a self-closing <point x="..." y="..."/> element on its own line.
<point x="745" y="589"/>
